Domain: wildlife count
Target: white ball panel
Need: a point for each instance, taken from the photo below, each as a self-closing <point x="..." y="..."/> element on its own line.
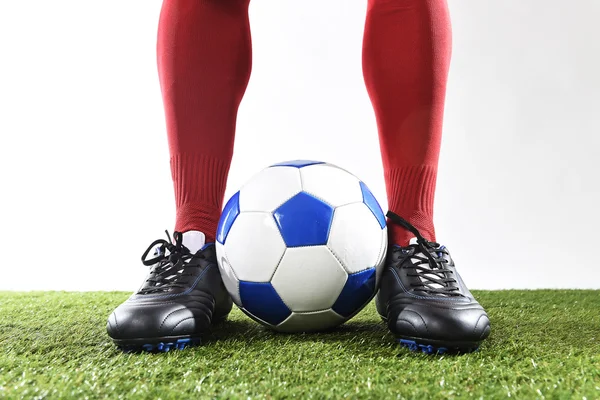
<point x="232" y="284"/>
<point x="331" y="184"/>
<point x="310" y="322"/>
<point x="270" y="188"/>
<point x="254" y="246"/>
<point x="309" y="278"/>
<point x="355" y="237"/>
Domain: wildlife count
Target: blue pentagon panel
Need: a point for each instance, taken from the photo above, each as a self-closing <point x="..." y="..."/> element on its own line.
<point x="373" y="204"/>
<point x="297" y="163"/>
<point x="304" y="220"/>
<point x="359" y="288"/>
<point x="228" y="216"/>
<point x="261" y="300"/>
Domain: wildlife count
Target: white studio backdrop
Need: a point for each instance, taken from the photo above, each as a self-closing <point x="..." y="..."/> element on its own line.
<point x="84" y="164"/>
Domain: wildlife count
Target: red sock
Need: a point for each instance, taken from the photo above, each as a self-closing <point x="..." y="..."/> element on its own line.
<point x="204" y="63"/>
<point x="406" y="57"/>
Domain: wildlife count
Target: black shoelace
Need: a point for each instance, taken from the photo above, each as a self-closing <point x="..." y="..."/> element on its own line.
<point x="167" y="269"/>
<point x="434" y="276"/>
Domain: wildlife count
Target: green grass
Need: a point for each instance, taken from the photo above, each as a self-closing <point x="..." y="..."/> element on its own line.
<point x="544" y="344"/>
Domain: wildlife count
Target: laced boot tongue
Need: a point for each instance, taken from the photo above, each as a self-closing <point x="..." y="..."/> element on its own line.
<point x="194" y="241"/>
<point x="426" y="266"/>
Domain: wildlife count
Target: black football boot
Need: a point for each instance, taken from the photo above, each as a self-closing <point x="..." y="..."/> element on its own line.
<point x="180" y="299"/>
<point x="425" y="302"/>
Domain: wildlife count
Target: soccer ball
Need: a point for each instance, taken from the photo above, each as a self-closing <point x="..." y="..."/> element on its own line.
<point x="301" y="246"/>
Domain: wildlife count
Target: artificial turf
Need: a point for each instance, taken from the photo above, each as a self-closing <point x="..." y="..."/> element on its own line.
<point x="544" y="344"/>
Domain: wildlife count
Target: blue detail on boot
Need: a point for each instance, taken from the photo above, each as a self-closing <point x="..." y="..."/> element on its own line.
<point x="424" y="348"/>
<point x="164" y="347"/>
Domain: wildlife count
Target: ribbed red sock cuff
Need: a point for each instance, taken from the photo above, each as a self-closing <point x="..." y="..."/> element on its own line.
<point x="411" y="192"/>
<point x="200" y="181"/>
<point x="198" y="217"/>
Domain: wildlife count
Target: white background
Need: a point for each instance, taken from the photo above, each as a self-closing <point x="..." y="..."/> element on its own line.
<point x="84" y="161"/>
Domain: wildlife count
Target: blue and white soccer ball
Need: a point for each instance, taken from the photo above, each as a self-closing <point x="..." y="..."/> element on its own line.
<point x="301" y="246"/>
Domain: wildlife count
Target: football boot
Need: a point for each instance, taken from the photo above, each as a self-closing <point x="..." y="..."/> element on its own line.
<point x="181" y="297"/>
<point x="424" y="301"/>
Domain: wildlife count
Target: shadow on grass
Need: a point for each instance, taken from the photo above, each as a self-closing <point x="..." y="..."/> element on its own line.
<point x="353" y="335"/>
<point x="248" y="330"/>
<point x="356" y="337"/>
